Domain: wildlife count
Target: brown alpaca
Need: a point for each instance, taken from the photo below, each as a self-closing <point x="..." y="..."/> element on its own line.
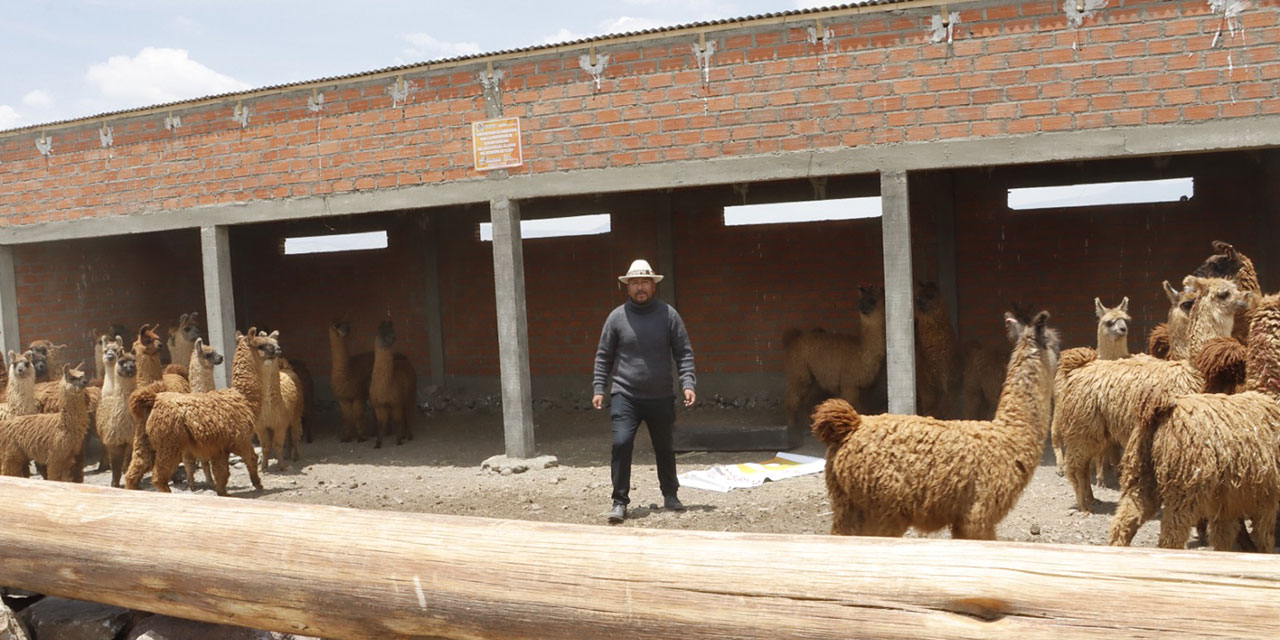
<point x="983" y="371"/>
<point x="1210" y="456"/>
<point x="1228" y="263"/>
<point x="53" y="440"/>
<point x="393" y="387"/>
<point x="280" y="411"/>
<point x="888" y="473"/>
<point x="115" y="424"/>
<point x="207" y="426"/>
<point x="49" y="357"/>
<point x="349" y="378"/>
<point x="820" y="365"/>
<point x="1113" y="344"/>
<point x="200" y="368"/>
<point x="937" y="357"/>
<point x="301" y="374"/>
<point x="147" y="351"/>
<point x="182" y="338"/>
<point x="1100" y="403"/>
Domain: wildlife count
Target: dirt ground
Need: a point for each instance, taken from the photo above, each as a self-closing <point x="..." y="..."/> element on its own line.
<point x="440" y="472"/>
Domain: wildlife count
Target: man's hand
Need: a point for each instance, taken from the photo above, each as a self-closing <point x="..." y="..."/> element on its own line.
<point x="597" y="401"/>
<point x="690" y="397"/>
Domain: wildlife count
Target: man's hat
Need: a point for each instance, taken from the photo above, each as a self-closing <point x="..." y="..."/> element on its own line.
<point x="640" y="269"/>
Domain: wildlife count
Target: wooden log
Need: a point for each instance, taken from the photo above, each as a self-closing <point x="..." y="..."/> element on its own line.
<point x="344" y="573"/>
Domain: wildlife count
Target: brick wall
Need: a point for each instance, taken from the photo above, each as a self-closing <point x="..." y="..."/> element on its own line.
<point x="1014" y="68"/>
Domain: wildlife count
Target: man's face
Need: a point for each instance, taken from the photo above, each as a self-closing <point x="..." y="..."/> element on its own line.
<point x="641" y="290"/>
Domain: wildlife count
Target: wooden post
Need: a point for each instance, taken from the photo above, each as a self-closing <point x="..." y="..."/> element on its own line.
<point x="342" y="573"/>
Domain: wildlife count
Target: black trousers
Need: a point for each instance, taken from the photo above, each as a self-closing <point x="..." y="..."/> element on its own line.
<point x="660" y="416"/>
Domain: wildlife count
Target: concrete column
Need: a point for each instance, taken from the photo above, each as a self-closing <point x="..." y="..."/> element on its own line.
<point x="219" y="297"/>
<point x="513" y="328"/>
<point x="898" y="292"/>
<point x="435" y="322"/>
<point x="9" y="337"/>
<point x="666" y="249"/>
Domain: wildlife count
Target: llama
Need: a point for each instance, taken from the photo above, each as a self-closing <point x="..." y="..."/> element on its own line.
<point x="301" y="374"/>
<point x="984" y="371"/>
<point x="1210" y="455"/>
<point x="115" y="424"/>
<point x="207" y="426"/>
<point x="200" y="370"/>
<point x="393" y="387"/>
<point x="888" y="473"/>
<point x="937" y="357"/>
<point x="49" y="358"/>
<point x="349" y="379"/>
<point x="1228" y="263"/>
<point x="1113" y="344"/>
<point x="280" y="411"/>
<point x="182" y="338"/>
<point x="1099" y="402"/>
<point x="147" y="351"/>
<point x="820" y="365"/>
<point x="20" y="392"/>
<point x="53" y="440"/>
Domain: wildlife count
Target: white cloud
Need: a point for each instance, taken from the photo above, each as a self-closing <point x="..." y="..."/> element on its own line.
<point x="9" y="117"/>
<point x="423" y="46"/>
<point x="563" y="35"/>
<point x="156" y="76"/>
<point x="37" y="99"/>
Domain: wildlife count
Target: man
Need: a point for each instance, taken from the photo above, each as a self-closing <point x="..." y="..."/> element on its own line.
<point x="639" y="341"/>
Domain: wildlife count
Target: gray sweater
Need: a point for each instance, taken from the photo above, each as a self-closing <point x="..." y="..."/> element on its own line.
<point x="637" y="346"/>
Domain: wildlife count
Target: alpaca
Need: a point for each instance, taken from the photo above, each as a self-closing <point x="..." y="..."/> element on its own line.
<point x="1228" y="263"/>
<point x="306" y="385"/>
<point x="20" y="392"/>
<point x="349" y="378"/>
<point x="1210" y="455"/>
<point x="147" y="351"/>
<point x="49" y="358"/>
<point x="202" y="360"/>
<point x="280" y="411"/>
<point x="115" y="424"/>
<point x="1168" y="340"/>
<point x="820" y="365"/>
<point x="984" y="371"/>
<point x="937" y="357"/>
<point x="1099" y="402"/>
<point x="393" y="387"/>
<point x="54" y="440"/>
<point x="888" y="473"/>
<point x="182" y="338"/>
<point x="1113" y="344"/>
<point x="207" y="426"/>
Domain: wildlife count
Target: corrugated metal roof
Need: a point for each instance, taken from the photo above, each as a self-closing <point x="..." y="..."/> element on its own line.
<point x="477" y="56"/>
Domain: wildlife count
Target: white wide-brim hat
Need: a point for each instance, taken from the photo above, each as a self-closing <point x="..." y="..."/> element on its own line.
<point x="640" y="269"/>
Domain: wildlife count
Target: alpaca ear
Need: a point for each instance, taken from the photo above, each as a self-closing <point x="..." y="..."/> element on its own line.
<point x="199" y="342"/>
<point x="1098" y="308"/>
<point x="182" y="320"/>
<point x="119" y="340"/>
<point x="1170" y="292"/>
<point x="1223" y="248"/>
<point x="274" y="335"/>
<point x="1190" y="282"/>
<point x="1124" y="304"/>
<point x="12" y="356"/>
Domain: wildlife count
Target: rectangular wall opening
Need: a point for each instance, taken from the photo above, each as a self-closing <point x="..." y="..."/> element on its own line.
<point x="1102" y="194"/>
<point x="587" y="225"/>
<point x="804" y="211"/>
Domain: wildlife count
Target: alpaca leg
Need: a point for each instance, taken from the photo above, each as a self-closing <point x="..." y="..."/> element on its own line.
<point x="59" y="470"/>
<point x="1078" y="474"/>
<point x="968" y="530"/>
<point x="1222" y="534"/>
<point x="244" y="449"/>
<point x="115" y="454"/>
<point x="1059" y="455"/>
<point x="1264" y="529"/>
<point x="405" y="413"/>
<point x="143" y="459"/>
<point x="846" y="519"/>
<point x="1132" y="511"/>
<point x="381" y="414"/>
<point x="221" y="473"/>
<point x="162" y="470"/>
<point x="1175" y="527"/>
<point x="278" y="437"/>
<point x="295" y="440"/>
<point x="189" y="463"/>
<point x="208" y="472"/>
<point x="399" y="424"/>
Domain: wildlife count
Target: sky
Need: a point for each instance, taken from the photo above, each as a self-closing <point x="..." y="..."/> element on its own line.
<point x="66" y="59"/>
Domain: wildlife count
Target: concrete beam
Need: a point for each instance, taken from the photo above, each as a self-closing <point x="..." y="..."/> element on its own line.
<point x="219" y="297"/>
<point x="1218" y="135"/>
<point x="899" y="312"/>
<point x="513" y="328"/>
<point x="9" y="337"/>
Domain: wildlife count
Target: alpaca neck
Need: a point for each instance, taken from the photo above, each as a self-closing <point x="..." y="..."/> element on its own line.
<point x="109" y="379"/>
<point x="269" y="372"/>
<point x="244" y="375"/>
<point x="149" y="369"/>
<point x="1112" y="347"/>
<point x="934" y="333"/>
<point x="1205" y="325"/>
<point x="201" y="376"/>
<point x="21" y="394"/>
<point x="1247" y="278"/>
<point x="383" y="367"/>
<point x="180" y="350"/>
<point x="873" y="336"/>
<point x="75" y="410"/>
<point x="1025" y="399"/>
<point x="338" y="354"/>
<point x="124" y="386"/>
<point x="1262" y="368"/>
<point x="100" y="364"/>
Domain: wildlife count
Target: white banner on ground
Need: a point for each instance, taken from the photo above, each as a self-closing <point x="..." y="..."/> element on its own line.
<point x="726" y="477"/>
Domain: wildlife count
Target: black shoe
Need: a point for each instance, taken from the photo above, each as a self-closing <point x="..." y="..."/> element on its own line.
<point x="672" y="503"/>
<point x="618" y="513"/>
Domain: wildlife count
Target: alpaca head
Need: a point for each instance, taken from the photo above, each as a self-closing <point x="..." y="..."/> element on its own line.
<point x="1113" y="323"/>
<point x="21" y="365"/>
<point x="928" y="298"/>
<point x="1036" y="341"/>
<point x="871" y="301"/>
<point x="74" y="377"/>
<point x="386" y="335"/>
<point x="187" y="328"/>
<point x="127" y="366"/>
<point x="205" y="355"/>
<point x="149" y="339"/>
<point x="112" y="348"/>
<point x="1225" y="262"/>
<point x="39" y="364"/>
<point x="1217" y="301"/>
<point x="268" y="345"/>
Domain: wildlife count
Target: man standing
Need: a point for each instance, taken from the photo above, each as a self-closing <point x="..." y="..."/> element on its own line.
<point x="640" y="339"/>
